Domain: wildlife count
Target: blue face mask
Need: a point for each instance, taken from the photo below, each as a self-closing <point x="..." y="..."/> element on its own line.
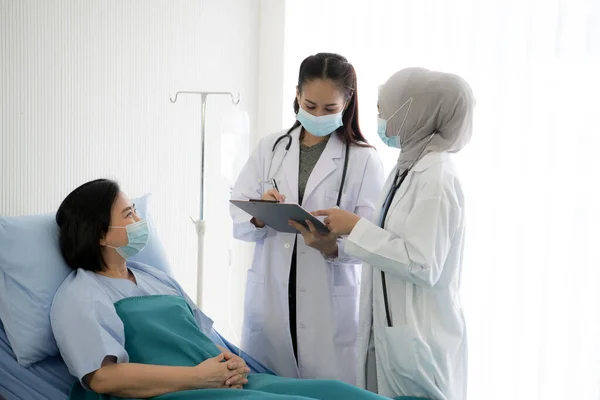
<point x="323" y="125"/>
<point x="393" y="141"/>
<point x="137" y="239"/>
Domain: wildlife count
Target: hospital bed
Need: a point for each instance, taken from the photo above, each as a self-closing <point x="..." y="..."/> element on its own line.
<point x="50" y="379"/>
<point x="46" y="380"/>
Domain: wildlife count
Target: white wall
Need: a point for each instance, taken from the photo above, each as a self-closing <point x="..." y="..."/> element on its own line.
<point x="84" y="93"/>
<point x="273" y="99"/>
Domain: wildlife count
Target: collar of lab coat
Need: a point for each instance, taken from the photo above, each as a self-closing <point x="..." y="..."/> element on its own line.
<point x="423" y="164"/>
<point x="429" y="160"/>
<point x="290" y="167"/>
<point x="325" y="166"/>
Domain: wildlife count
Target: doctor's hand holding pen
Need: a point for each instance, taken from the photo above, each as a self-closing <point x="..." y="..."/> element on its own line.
<point x="339" y="222"/>
<point x="270" y="195"/>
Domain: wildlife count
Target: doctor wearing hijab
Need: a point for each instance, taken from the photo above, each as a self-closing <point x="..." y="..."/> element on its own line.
<point x="412" y="339"/>
<point x="301" y="306"/>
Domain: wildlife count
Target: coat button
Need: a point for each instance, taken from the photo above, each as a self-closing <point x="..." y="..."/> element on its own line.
<point x="287" y="246"/>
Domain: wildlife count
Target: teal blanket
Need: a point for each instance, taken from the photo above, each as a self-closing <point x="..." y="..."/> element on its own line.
<point x="161" y="330"/>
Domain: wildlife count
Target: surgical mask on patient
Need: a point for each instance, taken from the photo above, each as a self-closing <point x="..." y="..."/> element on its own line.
<point x="323" y="125"/>
<point x="137" y="239"/>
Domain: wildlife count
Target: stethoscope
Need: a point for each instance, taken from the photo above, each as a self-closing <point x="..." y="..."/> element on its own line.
<point x="398" y="180"/>
<point x="288" y="136"/>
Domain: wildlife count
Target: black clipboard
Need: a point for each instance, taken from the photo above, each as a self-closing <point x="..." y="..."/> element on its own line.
<point x="276" y="215"/>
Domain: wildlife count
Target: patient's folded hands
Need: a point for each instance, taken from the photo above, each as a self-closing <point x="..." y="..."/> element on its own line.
<point x="235" y="363"/>
<point x="222" y="372"/>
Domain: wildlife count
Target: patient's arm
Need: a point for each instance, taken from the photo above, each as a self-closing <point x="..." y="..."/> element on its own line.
<point x="143" y="381"/>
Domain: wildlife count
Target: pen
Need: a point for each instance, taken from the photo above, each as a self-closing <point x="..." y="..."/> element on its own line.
<point x="274" y="183"/>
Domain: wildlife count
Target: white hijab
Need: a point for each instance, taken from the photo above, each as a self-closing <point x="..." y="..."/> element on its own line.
<point x="425" y="102"/>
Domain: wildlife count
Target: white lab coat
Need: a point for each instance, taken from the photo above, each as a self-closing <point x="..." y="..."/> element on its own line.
<point x="327" y="291"/>
<point x="424" y="353"/>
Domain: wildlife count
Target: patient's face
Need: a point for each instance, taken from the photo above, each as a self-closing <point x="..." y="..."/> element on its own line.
<point x="123" y="213"/>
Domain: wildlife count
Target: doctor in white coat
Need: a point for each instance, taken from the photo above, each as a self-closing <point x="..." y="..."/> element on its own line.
<point x="412" y="339"/>
<point x="301" y="306"/>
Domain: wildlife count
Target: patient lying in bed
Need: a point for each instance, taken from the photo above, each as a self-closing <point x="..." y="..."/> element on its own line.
<point x="129" y="330"/>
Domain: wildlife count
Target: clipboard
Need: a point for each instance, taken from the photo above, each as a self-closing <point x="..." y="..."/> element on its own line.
<point x="276" y="215"/>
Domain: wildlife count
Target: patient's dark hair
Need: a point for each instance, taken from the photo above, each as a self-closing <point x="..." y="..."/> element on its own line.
<point x="83" y="219"/>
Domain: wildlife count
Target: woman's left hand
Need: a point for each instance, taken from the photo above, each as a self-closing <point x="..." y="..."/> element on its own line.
<point x="326" y="244"/>
<point x="339" y="222"/>
<point x="234" y="362"/>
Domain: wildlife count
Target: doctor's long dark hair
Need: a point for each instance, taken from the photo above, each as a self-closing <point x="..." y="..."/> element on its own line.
<point x="337" y="69"/>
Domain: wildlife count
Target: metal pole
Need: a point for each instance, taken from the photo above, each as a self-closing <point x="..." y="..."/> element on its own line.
<point x="200" y="224"/>
<point x="202" y="147"/>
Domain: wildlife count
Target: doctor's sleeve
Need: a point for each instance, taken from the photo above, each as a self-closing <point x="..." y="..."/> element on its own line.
<point x="248" y="186"/>
<point x="87" y="329"/>
<point x="419" y="256"/>
<point x="370" y="190"/>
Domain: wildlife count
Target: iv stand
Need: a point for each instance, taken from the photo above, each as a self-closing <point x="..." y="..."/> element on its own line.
<point x="201" y="223"/>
